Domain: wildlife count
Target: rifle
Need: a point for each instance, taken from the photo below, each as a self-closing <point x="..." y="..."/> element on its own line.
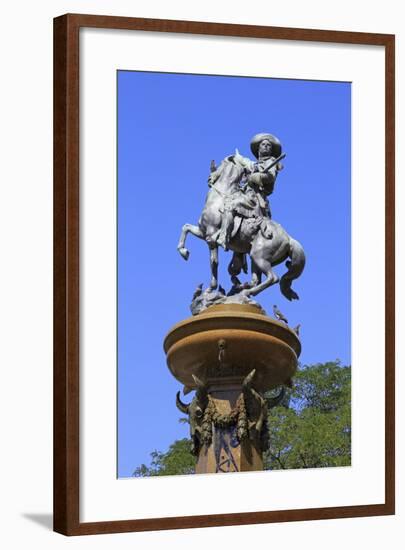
<point x="275" y="162"/>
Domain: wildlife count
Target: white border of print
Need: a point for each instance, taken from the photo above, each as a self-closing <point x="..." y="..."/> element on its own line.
<point x="103" y="497"/>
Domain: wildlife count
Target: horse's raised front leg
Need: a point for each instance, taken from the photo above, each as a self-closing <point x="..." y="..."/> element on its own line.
<point x="188" y="228"/>
<point x="214" y="266"/>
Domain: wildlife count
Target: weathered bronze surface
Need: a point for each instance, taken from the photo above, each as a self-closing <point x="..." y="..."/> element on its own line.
<point x="237" y="217"/>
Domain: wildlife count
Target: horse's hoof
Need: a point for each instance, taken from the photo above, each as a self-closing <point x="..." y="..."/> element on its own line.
<point x="184" y="253"/>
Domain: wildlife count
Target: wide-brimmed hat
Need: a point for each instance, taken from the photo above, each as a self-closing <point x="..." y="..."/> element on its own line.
<point x="258" y="138"/>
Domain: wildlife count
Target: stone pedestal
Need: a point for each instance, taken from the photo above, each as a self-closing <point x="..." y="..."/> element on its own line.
<point x="227" y="453"/>
<point x="230" y="354"/>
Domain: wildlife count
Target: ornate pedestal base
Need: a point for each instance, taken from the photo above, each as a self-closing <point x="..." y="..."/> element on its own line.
<point x="230" y="354"/>
<point x="230" y="449"/>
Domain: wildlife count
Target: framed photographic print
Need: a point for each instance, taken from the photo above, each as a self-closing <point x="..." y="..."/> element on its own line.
<point x="205" y="393"/>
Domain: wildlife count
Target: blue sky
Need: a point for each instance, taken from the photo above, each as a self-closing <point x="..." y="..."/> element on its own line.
<point x="170" y="126"/>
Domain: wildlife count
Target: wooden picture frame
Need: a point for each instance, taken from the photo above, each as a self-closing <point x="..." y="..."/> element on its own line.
<point x="67" y="283"/>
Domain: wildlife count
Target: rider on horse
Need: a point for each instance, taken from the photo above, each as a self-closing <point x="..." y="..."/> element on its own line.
<point x="256" y="181"/>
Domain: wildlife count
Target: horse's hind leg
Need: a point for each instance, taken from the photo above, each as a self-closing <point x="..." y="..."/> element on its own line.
<point x="188" y="228"/>
<point x="265" y="267"/>
<point x="235" y="267"/>
<point x="256" y="275"/>
<point x="214" y="266"/>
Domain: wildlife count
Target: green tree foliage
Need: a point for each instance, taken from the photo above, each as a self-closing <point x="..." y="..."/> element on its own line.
<point x="177" y="460"/>
<point x="315" y="430"/>
<point x="310" y="429"/>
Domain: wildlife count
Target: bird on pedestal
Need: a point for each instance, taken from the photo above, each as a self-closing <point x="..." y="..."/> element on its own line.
<point x="278" y="315"/>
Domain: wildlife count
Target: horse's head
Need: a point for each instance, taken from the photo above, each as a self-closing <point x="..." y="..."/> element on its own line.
<point x="229" y="175"/>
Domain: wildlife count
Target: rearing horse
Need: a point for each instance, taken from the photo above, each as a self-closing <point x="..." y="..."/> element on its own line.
<point x="267" y="246"/>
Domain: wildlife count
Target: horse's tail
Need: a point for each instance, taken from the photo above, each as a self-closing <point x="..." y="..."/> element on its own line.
<point x="295" y="266"/>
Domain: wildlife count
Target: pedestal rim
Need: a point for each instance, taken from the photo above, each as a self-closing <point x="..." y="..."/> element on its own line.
<point x="233" y="316"/>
